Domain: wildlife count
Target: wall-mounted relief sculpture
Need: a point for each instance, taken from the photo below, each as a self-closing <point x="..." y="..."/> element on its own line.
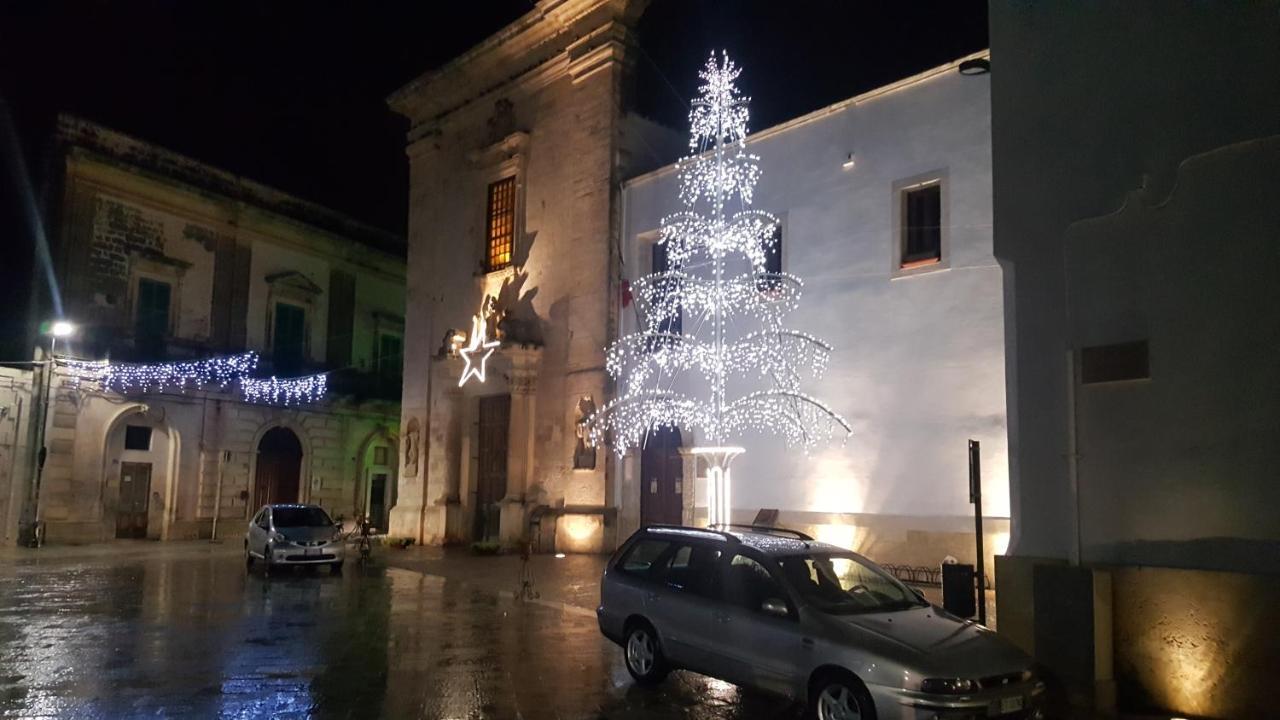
<point x="584" y="453"/>
<point x="412" y="439"/>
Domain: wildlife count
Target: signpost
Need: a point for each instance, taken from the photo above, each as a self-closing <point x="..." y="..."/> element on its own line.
<point x="975" y="497"/>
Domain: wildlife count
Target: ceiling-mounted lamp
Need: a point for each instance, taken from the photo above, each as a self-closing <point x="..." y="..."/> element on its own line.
<point x="975" y="66"/>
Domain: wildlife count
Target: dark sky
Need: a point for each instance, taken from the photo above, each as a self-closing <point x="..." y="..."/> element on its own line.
<point x="292" y="93"/>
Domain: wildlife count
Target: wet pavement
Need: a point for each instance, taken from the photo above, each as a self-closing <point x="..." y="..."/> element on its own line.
<point x="181" y="630"/>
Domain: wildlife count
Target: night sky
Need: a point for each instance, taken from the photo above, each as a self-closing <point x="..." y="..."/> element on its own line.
<point x="292" y="94"/>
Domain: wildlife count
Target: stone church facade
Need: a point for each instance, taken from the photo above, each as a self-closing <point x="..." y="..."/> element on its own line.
<point x="517" y="150"/>
<point x="535" y="193"/>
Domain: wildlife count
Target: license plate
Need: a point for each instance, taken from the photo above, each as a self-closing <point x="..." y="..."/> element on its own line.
<point x="316" y="551"/>
<point x="1010" y="705"/>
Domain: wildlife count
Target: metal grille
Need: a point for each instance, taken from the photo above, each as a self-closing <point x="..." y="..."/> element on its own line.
<point x="501" y="228"/>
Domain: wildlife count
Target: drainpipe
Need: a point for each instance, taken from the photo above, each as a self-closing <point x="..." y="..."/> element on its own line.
<point x="1073" y="458"/>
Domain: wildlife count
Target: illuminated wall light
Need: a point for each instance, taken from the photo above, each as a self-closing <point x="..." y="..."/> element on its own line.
<point x="1000" y="542"/>
<point x="837" y="534"/>
<point x="579" y="533"/>
<point x="848" y="162"/>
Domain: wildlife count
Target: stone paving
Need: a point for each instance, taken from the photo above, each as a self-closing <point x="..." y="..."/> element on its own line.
<point x="141" y="629"/>
<point x="181" y="630"/>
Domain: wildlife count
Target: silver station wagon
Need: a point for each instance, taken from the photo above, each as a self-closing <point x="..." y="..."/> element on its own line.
<point x="777" y="611"/>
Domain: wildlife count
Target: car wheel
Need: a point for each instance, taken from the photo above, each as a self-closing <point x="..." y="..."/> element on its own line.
<point x="248" y="558"/>
<point x="644" y="655"/>
<point x="841" y="697"/>
<point x="267" y="564"/>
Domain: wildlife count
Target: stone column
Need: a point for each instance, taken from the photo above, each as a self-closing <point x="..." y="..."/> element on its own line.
<point x="689" y="487"/>
<point x="522" y="381"/>
<point x="443" y="451"/>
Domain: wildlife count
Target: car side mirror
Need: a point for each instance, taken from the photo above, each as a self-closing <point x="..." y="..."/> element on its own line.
<point x="775" y="607"/>
<point x="920" y="595"/>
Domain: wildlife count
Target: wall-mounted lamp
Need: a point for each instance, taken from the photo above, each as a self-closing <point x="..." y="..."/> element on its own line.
<point x="848" y="162"/>
<point x="975" y="66"/>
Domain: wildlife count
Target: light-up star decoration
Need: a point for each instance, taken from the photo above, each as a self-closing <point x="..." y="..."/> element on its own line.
<point x="476" y="353"/>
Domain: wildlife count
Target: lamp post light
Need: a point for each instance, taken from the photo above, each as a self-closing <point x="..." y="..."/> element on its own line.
<point x="31" y="533"/>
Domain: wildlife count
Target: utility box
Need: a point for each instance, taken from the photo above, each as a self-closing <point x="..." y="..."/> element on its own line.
<point x="958" y="590"/>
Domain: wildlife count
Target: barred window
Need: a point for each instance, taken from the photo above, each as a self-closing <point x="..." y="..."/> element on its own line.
<point x="500" y="231"/>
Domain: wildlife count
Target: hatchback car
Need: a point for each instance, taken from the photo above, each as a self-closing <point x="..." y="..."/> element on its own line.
<point x="777" y="611"/>
<point x="288" y="534"/>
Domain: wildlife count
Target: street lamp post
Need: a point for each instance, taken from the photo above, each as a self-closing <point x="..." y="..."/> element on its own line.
<point x="31" y="534"/>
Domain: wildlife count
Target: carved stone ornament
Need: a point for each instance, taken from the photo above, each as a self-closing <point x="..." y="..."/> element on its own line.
<point x="411" y="441"/>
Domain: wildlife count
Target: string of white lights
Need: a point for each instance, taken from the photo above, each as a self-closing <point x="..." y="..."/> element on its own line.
<point x="285" y="391"/>
<point x="704" y="247"/>
<point x="162" y="377"/>
<point x="219" y="372"/>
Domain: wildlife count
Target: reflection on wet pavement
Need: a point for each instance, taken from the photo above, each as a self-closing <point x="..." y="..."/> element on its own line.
<point x="193" y="635"/>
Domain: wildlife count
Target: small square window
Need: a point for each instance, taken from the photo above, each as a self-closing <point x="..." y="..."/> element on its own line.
<point x="137" y="437"/>
<point x="921" y="225"/>
<point x="379" y="456"/>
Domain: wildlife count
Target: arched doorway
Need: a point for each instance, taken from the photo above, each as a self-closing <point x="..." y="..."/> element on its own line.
<point x="378" y="491"/>
<point x="662" y="478"/>
<point x="279" y="468"/>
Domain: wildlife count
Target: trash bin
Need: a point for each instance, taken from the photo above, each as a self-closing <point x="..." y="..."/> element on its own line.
<point x="959" y="596"/>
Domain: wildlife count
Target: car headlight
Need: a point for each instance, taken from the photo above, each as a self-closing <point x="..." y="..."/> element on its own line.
<point x="279" y="539"/>
<point x="948" y="686"/>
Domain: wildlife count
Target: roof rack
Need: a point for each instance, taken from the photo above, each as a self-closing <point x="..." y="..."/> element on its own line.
<point x="763" y="529"/>
<point x="711" y="530"/>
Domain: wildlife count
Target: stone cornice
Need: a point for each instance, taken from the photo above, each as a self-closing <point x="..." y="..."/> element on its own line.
<point x="539" y="36"/>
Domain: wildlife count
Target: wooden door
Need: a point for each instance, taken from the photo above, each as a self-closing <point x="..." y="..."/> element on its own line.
<point x="279" y="470"/>
<point x="491" y="478"/>
<point x="135" y="499"/>
<point x="662" y="479"/>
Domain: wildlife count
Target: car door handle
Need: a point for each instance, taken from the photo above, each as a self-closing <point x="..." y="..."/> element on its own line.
<point x="651" y="597"/>
<point x="722" y="617"/>
<point x="807" y="642"/>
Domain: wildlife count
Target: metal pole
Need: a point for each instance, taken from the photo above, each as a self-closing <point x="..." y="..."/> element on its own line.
<point x="975" y="497"/>
<point x="30" y="534"/>
<point x="217" y="498"/>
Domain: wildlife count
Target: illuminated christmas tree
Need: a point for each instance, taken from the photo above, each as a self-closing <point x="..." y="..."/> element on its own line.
<point x="716" y="313"/>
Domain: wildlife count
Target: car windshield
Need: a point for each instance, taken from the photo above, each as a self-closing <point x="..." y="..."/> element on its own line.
<point x="298" y="517"/>
<point x="842" y="584"/>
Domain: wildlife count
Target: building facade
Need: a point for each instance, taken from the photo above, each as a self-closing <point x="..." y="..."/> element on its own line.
<point x="517" y="150"/>
<point x="1135" y="223"/>
<point x="162" y="259"/>
<point x="884" y="203"/>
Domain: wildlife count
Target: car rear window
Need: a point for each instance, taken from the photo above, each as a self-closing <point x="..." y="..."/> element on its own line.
<point x="292" y="517"/>
<point x="641" y="557"/>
